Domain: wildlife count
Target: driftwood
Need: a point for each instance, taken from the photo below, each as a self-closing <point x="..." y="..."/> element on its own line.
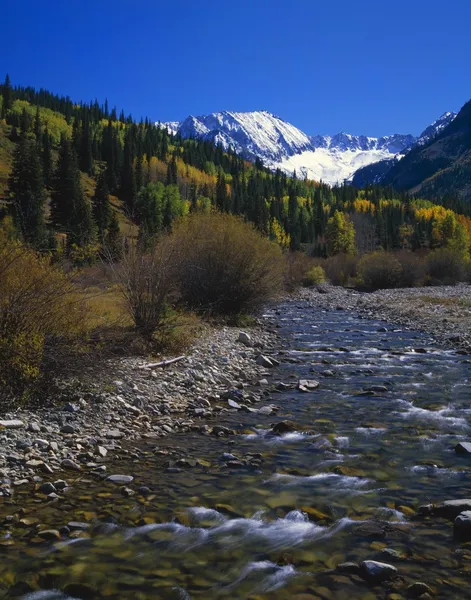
<point x="162" y="363"/>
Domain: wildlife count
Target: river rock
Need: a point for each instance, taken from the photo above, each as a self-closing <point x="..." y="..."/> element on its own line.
<point x="351" y="568"/>
<point x="11" y="424"/>
<point x="463" y="448"/>
<point x="449" y="509"/>
<point x="418" y="589"/>
<point x="233" y="404"/>
<point x="70" y="465"/>
<point x="307" y="385"/>
<point x="47" y="488"/>
<point x="244" y="338"/>
<point x="120" y="479"/>
<point x="283" y="427"/>
<point x="264" y="361"/>
<point x="49" y="534"/>
<point x="377" y="571"/>
<point x="101" y="451"/>
<point x="68" y="429"/>
<point x="462" y="525"/>
<point x="78" y="526"/>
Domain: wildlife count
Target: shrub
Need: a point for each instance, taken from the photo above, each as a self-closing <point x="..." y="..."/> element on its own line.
<point x="314" y="276"/>
<point x="446" y="266"/>
<point x="38" y="309"/>
<point x="379" y="270"/>
<point x="413" y="268"/>
<point x="225" y="266"/>
<point x="148" y="286"/>
<point x="297" y="266"/>
<point x="341" y="268"/>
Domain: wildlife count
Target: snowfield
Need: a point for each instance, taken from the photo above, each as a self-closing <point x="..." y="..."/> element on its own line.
<point x="331" y="166"/>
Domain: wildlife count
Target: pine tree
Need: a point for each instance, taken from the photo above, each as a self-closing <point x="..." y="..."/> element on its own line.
<point x="7" y="94"/>
<point x="70" y="210"/>
<point x="37" y="127"/>
<point x="27" y="194"/>
<point x="101" y="206"/>
<point x="113" y="239"/>
<point x="221" y="192"/>
<point x="85" y="148"/>
<point x="46" y="157"/>
<point x="172" y="172"/>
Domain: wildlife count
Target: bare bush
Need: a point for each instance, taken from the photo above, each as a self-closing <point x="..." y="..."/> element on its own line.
<point x="314" y="276"/>
<point x="379" y="270"/>
<point x="446" y="266"/>
<point x="224" y="265"/>
<point x="297" y="266"/>
<point x="341" y="269"/>
<point x="38" y="305"/>
<point x="413" y="268"/>
<point x="148" y="286"/>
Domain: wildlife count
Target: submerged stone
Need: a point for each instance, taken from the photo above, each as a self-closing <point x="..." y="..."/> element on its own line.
<point x="463" y="448"/>
<point x="377" y="571"/>
<point x="462" y="525"/>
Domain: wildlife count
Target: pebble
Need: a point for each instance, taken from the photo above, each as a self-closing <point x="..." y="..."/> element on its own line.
<point x="12" y="424"/>
<point x="244" y="338"/>
<point x="120" y="479"/>
<point x="47" y="488"/>
<point x="418" y="589"/>
<point x="70" y="465"/>
<point x="307" y="385"/>
<point x="49" y="534"/>
<point x="264" y="361"/>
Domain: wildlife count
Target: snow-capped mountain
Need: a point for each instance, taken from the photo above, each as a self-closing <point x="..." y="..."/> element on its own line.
<point x="332" y="159"/>
<point x="435" y="128"/>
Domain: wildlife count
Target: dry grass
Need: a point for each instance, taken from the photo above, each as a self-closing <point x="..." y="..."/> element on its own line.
<point x="459" y="302"/>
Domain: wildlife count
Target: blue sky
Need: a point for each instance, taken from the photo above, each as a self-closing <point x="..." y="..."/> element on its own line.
<point x="366" y="66"/>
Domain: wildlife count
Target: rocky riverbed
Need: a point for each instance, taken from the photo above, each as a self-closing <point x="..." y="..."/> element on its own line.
<point x="321" y="456"/>
<point x="132" y="399"/>
<point x="442" y="311"/>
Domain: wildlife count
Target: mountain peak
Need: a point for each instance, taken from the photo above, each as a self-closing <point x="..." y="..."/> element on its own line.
<point x="279" y="144"/>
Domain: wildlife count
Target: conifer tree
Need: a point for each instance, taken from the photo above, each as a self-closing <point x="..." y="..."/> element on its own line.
<point x="113" y="238"/>
<point x="37" y="127"/>
<point x="172" y="172"/>
<point x="27" y="194"/>
<point x="46" y="157"/>
<point x="101" y="206"/>
<point x="70" y="210"/>
<point x="7" y="94"/>
<point x="85" y="148"/>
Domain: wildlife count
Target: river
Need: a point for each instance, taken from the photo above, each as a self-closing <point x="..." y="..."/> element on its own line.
<point x="371" y="444"/>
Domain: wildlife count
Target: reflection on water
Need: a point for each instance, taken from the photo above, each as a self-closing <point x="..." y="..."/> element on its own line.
<point x="373" y="443"/>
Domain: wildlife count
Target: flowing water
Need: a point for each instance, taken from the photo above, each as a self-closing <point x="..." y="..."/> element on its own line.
<point x="372" y="443"/>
